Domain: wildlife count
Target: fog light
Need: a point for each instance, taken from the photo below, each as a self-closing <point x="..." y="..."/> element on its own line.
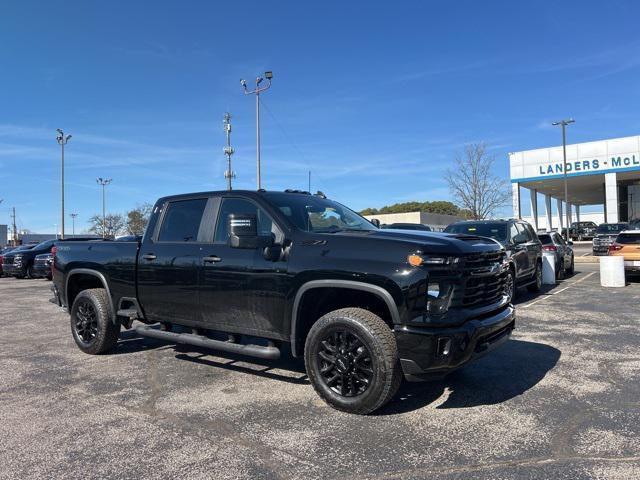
<point x="444" y="346"/>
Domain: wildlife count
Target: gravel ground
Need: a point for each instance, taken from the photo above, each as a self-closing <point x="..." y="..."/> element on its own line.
<point x="559" y="400"/>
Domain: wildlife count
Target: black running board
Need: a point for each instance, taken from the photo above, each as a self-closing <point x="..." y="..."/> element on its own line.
<point x="259" y="351"/>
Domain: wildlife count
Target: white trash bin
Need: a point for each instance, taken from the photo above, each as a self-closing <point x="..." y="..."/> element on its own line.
<point x="612" y="271"/>
<point x="548" y="268"/>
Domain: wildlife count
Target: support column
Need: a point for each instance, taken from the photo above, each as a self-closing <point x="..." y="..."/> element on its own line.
<point x="560" y="214"/>
<point x="534" y="207"/>
<point x="547" y="209"/>
<point x="570" y="213"/>
<point x="515" y="194"/>
<point x="577" y="213"/>
<point x="611" y="197"/>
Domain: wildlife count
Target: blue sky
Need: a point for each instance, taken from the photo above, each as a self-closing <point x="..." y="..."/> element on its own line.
<point x="375" y="98"/>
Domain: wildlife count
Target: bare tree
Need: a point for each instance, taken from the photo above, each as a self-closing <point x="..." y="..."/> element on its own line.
<point x="138" y="218"/>
<point x="114" y="224"/>
<point x="473" y="186"/>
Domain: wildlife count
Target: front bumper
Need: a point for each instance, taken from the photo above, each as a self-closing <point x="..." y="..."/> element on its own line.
<point x="431" y="353"/>
<point x="41" y="271"/>
<point x="13" y="270"/>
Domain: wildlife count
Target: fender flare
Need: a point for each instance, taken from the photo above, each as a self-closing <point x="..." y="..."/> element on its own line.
<point x="95" y="273"/>
<point x="346" y="284"/>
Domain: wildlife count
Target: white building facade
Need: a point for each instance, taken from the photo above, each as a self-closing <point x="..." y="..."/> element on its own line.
<point x="605" y="173"/>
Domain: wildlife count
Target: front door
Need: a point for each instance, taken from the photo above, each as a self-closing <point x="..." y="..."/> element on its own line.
<point x="241" y="291"/>
<point x="169" y="264"/>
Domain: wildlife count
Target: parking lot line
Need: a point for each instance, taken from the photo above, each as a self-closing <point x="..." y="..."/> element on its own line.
<point x="548" y="295"/>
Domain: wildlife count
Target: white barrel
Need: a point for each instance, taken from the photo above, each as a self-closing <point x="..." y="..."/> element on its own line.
<point x="548" y="268"/>
<point x="612" y="271"/>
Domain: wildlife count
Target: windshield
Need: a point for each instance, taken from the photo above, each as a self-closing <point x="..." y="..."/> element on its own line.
<point x="315" y="214"/>
<point x="612" y="227"/>
<point x="43" y="245"/>
<point x="628" y="238"/>
<point x="497" y="231"/>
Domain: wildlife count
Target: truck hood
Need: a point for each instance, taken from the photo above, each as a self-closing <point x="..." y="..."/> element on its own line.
<point x="435" y="242"/>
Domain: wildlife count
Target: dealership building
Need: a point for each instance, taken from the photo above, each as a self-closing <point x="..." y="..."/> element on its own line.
<point x="604" y="173"/>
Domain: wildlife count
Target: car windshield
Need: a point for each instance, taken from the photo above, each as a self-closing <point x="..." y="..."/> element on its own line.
<point x="43" y="245"/>
<point x="612" y="227"/>
<point x="497" y="231"/>
<point x="316" y="214"/>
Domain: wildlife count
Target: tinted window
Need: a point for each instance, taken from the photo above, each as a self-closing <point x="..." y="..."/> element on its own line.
<point x="628" y="238"/>
<point x="558" y="239"/>
<point x="497" y="231"/>
<point x="182" y="221"/>
<point x="545" y="239"/>
<point x="530" y="231"/>
<point x="611" y="227"/>
<point x="316" y="214"/>
<point x="44" y="245"/>
<point x="522" y="230"/>
<point x="238" y="205"/>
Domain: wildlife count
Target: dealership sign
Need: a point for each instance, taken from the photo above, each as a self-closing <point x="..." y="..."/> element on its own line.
<point x="589" y="165"/>
<point x="592" y="158"/>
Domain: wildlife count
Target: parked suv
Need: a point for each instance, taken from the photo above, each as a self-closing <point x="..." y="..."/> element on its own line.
<point x="524" y="249"/>
<point x="582" y="230"/>
<point x="606" y="234"/>
<point x="564" y="259"/>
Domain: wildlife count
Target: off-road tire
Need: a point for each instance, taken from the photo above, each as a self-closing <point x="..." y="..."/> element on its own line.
<point x="377" y="338"/>
<point x="106" y="332"/>
<point x="536" y="286"/>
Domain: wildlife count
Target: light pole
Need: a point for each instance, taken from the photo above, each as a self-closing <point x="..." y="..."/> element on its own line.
<point x="73" y="223"/>
<point x="104" y="182"/>
<point x="564" y="124"/>
<point x="256" y="91"/>
<point x="228" y="150"/>
<point x="62" y="140"/>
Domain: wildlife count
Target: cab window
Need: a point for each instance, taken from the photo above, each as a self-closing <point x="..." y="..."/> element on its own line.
<point x="181" y="221"/>
<point x="266" y="225"/>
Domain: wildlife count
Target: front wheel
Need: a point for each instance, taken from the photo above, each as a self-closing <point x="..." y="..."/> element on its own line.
<point x="351" y="359"/>
<point x="91" y="325"/>
<point x="536" y="286"/>
<point x="510" y="285"/>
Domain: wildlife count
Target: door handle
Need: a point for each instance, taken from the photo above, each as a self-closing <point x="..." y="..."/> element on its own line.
<point x="149" y="256"/>
<point x="211" y="259"/>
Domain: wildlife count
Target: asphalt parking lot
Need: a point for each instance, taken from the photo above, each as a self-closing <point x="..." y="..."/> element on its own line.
<point x="560" y="400"/>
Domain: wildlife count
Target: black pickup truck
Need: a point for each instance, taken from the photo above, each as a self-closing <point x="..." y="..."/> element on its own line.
<point x="255" y="272"/>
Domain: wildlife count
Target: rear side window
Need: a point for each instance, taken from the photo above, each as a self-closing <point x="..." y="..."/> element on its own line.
<point x="182" y="221"/>
<point x="629" y="238"/>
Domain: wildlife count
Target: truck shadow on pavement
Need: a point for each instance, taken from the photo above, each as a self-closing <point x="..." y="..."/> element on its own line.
<point x="502" y="375"/>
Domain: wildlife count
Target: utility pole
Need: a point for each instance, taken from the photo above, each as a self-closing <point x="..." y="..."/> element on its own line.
<point x="228" y="150"/>
<point x="564" y="124"/>
<point x="14" y="228"/>
<point x="62" y="140"/>
<point x="73" y="223"/>
<point x="256" y="92"/>
<point x="104" y="182"/>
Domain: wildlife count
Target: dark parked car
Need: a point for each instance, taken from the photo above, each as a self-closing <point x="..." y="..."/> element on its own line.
<point x="42" y="266"/>
<point x="606" y="234"/>
<point x="524" y="250"/>
<point x="19" y="262"/>
<point x="262" y="272"/>
<point x="408" y="226"/>
<point x="2" y="253"/>
<point x="565" y="261"/>
<point x="582" y="230"/>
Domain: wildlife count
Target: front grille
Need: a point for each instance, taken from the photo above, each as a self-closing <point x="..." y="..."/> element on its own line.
<point x="7" y="260"/>
<point x="483" y="282"/>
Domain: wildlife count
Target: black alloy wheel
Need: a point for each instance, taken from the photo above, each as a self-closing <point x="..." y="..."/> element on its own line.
<point x="345" y="363"/>
<point x="86" y="322"/>
<point x="510" y="285"/>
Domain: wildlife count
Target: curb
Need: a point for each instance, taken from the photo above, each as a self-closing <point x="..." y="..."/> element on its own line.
<point x="589" y="259"/>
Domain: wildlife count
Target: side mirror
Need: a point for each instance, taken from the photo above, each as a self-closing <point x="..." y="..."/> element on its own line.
<point x="376" y="222"/>
<point x="570" y="242"/>
<point x="243" y="232"/>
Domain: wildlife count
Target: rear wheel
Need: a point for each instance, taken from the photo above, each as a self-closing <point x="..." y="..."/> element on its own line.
<point x="352" y="360"/>
<point x="572" y="266"/>
<point x="537" y="284"/>
<point x="29" y="271"/>
<point x="560" y="271"/>
<point x="510" y="285"/>
<point x="93" y="330"/>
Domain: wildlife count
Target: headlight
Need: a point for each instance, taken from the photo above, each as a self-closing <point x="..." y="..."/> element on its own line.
<point x="416" y="260"/>
<point x="438" y="298"/>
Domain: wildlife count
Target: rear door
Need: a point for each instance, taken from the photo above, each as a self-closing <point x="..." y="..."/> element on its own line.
<point x="241" y="290"/>
<point x="533" y="246"/>
<point x="169" y="263"/>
